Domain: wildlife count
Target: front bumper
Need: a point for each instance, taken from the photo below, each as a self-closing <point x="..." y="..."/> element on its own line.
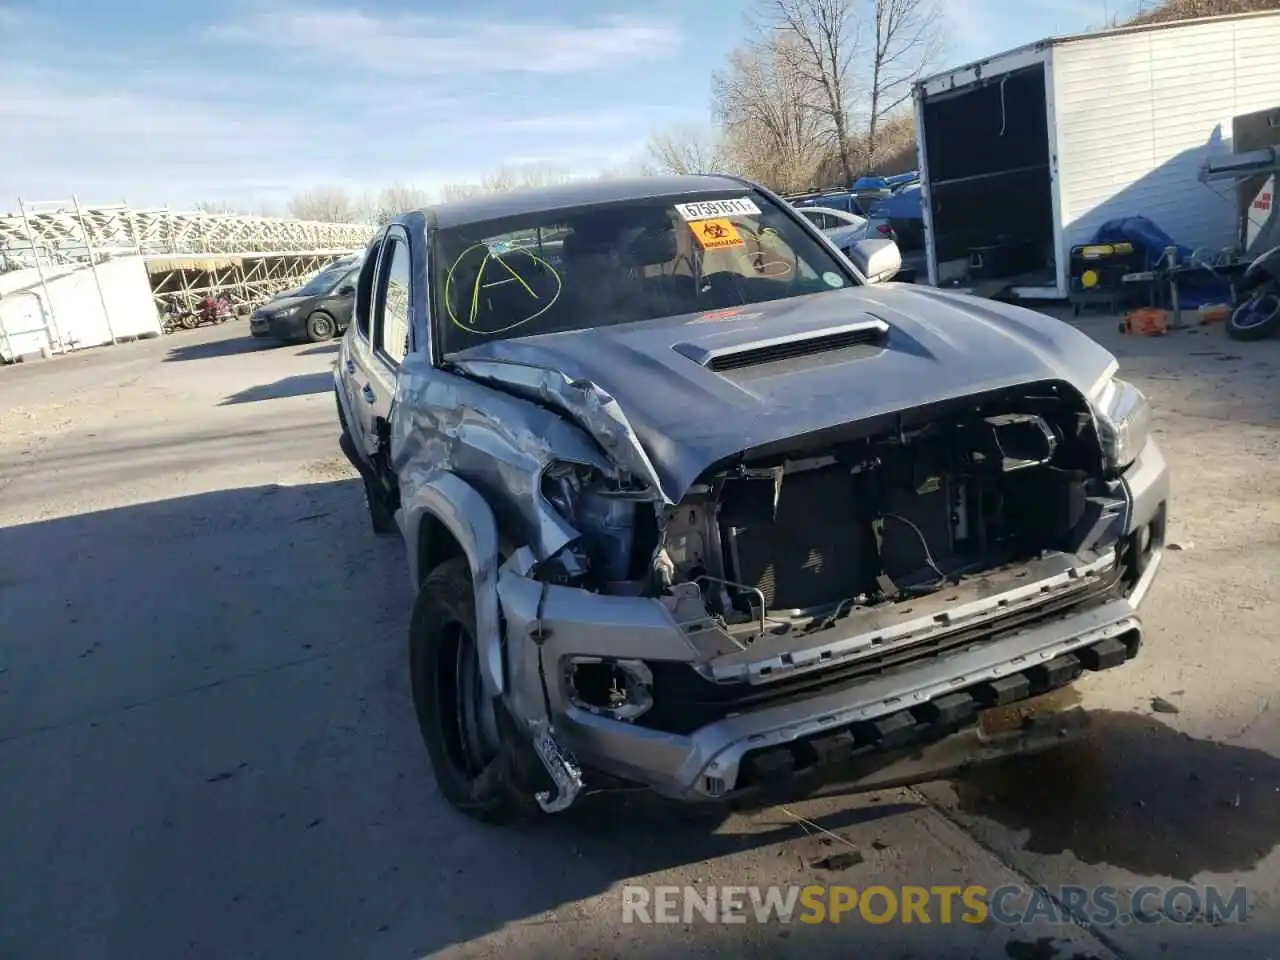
<point x="279" y="328"/>
<point x="992" y="660"/>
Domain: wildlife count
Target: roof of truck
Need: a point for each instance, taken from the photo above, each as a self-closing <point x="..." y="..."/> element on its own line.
<point x="1094" y="35"/>
<point x="515" y="203"/>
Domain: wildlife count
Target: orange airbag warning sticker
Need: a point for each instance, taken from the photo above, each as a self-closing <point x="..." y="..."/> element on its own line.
<point x="716" y="234"/>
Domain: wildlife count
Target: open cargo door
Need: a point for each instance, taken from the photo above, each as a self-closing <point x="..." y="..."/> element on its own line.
<point x="990" y="182"/>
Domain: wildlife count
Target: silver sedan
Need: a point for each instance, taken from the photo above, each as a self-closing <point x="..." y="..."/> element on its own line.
<point x="843" y="228"/>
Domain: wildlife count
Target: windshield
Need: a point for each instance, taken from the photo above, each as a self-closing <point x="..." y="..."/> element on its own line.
<point x="323" y="282"/>
<point x="584" y="267"/>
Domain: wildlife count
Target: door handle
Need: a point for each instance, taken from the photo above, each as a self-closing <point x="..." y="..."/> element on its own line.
<point x="351" y="365"/>
<point x="367" y="392"/>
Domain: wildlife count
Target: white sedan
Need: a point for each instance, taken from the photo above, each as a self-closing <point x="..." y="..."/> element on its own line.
<point x="844" y="228"/>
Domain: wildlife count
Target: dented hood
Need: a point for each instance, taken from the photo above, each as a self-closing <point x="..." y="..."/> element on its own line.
<point x="642" y="392"/>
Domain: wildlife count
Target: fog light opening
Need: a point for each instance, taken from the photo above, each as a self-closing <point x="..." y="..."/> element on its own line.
<point x="1143" y="540"/>
<point x="618" y="689"/>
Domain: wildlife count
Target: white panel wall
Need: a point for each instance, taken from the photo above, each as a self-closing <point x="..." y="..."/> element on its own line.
<point x="1138" y="112"/>
<point x="74" y="309"/>
<point x="127" y="288"/>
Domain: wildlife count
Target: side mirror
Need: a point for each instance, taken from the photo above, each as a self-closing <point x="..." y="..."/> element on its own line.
<point x="346" y="290"/>
<point x="877" y="260"/>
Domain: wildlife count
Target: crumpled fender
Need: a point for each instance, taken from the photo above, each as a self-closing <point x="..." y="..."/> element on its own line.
<point x="465" y="514"/>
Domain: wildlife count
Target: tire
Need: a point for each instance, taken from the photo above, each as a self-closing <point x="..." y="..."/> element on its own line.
<point x="189" y="321"/>
<point x="321" y="327"/>
<point x="381" y="516"/>
<point x="1256" y="318"/>
<point x="480" y="775"/>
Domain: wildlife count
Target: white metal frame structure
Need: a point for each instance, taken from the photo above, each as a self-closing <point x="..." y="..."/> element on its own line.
<point x="189" y="255"/>
<point x="64" y="232"/>
<point x="243" y="279"/>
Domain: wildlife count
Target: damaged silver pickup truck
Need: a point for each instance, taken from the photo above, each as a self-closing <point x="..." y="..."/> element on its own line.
<point x="695" y="502"/>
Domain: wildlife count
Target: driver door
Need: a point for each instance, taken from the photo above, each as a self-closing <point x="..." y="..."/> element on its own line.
<point x="343" y="299"/>
<point x="388" y="343"/>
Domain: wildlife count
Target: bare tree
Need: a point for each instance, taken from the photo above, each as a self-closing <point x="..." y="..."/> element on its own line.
<point x="826" y="37"/>
<point x="1167" y="10"/>
<point x="326" y="203"/>
<point x="771" y="133"/>
<point x="907" y="37"/>
<point x="392" y="200"/>
<point x="686" y="149"/>
<point x="221" y="206"/>
<point x="621" y="171"/>
<point x="516" y="176"/>
<point x="509" y="177"/>
<point x="460" y="191"/>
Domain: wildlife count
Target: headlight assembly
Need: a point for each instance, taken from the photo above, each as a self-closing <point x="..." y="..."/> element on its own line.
<point x="1124" y="421"/>
<point x="618" y="689"/>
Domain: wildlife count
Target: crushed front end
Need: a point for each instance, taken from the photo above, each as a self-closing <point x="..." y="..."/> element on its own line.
<point x="838" y="595"/>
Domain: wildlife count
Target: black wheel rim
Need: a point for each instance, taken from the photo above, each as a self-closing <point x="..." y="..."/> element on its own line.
<point x="466" y="716"/>
<point x="323" y="327"/>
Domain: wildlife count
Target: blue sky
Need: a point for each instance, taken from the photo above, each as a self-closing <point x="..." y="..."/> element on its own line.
<point x="176" y="101"/>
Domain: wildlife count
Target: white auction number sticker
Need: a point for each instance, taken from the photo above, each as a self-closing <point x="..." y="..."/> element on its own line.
<point x="710" y="209"/>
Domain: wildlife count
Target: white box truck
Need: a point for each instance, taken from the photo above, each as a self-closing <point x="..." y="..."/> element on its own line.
<point x="1025" y="154"/>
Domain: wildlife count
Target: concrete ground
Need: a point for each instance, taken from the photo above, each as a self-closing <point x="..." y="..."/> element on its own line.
<point x="207" y="746"/>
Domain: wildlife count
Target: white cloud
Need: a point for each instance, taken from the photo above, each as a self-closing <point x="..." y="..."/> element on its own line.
<point x="106" y="142"/>
<point x="413" y="44"/>
<point x="109" y="125"/>
<point x="147" y="142"/>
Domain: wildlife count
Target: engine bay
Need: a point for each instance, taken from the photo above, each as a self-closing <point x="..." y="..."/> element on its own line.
<point x="807" y="536"/>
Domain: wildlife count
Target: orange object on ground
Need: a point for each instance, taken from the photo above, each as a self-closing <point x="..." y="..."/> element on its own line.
<point x="1147" y="322"/>
<point x="1215" y="313"/>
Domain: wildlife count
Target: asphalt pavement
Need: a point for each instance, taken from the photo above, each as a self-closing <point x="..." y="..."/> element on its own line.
<point x="207" y="745"/>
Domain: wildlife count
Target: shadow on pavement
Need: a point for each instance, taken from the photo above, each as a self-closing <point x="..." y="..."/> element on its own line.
<point x="298" y="385"/>
<point x="207" y="738"/>
<point x="1137" y="795"/>
<point x="330" y="347"/>
<point x="228" y="347"/>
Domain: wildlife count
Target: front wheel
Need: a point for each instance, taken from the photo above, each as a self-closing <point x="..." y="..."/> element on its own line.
<point x="381" y="516"/>
<point x="321" y="327"/>
<point x="1256" y="318"/>
<point x="476" y="768"/>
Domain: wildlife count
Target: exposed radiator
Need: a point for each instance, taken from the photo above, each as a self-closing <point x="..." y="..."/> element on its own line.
<point x="816" y="550"/>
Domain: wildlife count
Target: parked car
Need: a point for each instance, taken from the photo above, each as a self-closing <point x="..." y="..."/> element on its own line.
<point x="318" y="310"/>
<point x="844" y="229"/>
<point x="832" y="201"/>
<point x="869" y="190"/>
<point x="692" y="502"/>
<point x="900" y="180"/>
<point x="900" y="218"/>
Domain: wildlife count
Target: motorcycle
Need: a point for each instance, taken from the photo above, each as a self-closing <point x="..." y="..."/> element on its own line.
<point x="1258" y="315"/>
<point x="208" y="310"/>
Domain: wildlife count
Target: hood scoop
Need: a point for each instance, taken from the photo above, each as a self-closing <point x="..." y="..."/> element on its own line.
<point x="869" y="332"/>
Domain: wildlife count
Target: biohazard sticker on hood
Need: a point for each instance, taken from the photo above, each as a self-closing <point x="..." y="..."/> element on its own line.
<point x="710" y="209"/>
